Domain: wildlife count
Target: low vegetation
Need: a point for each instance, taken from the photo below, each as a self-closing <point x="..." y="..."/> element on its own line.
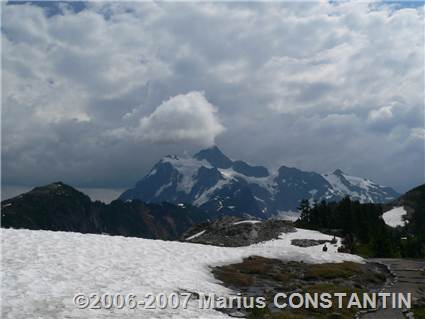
<point x="333" y="271"/>
<point x="419" y="312"/>
<point x="261" y="276"/>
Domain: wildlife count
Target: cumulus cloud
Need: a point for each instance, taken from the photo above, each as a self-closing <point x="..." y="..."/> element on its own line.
<point x="317" y="85"/>
<point x="182" y="118"/>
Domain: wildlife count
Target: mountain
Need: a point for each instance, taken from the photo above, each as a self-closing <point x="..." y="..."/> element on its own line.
<point x="60" y="207"/>
<point x="362" y="189"/>
<point x="216" y="183"/>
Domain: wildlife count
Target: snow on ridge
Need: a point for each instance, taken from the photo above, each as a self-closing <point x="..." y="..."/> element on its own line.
<point x="205" y="196"/>
<point x="247" y="222"/>
<point x="152" y="172"/>
<point x="288" y="215"/>
<point x="336" y="183"/>
<point x="264" y="182"/>
<point x="340" y="184"/>
<point x="313" y="192"/>
<point x="45" y="269"/>
<point x="162" y="188"/>
<point x="188" y="168"/>
<point x="364" y="189"/>
<point x="362" y="183"/>
<point x="394" y="217"/>
<point x="196" y="235"/>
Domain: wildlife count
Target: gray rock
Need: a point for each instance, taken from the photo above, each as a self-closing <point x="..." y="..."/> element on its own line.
<point x="308" y="242"/>
<point x="232" y="231"/>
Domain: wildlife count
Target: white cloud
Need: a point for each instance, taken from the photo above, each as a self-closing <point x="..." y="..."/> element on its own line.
<point x="382" y="113"/>
<point x="183" y="118"/>
<point x="418" y="132"/>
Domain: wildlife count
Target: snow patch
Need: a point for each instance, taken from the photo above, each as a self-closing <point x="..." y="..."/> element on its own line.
<point x="205" y="196"/>
<point x="152" y="172"/>
<point x="264" y="182"/>
<point x="162" y="188"/>
<point x="188" y="168"/>
<point x="313" y="192"/>
<point x="247" y="222"/>
<point x="288" y="215"/>
<point x="196" y="235"/>
<point x="394" y="217"/>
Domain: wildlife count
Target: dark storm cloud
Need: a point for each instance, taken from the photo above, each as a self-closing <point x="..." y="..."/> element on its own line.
<point x="95" y="95"/>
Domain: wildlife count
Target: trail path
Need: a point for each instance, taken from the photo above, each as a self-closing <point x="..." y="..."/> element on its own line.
<point x="409" y="278"/>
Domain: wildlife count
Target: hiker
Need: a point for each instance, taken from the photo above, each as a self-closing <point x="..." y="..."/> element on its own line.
<point x="325" y="248"/>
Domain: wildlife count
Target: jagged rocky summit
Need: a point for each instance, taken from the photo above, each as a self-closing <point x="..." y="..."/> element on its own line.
<point x="217" y="184"/>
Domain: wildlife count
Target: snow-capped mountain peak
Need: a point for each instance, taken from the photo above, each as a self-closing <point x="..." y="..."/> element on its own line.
<point x="358" y="188"/>
<point x="220" y="185"/>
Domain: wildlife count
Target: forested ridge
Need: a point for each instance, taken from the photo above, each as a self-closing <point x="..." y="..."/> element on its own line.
<point x="364" y="231"/>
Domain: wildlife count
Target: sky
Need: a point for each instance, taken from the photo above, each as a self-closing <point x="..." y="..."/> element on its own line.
<point x="94" y="94"/>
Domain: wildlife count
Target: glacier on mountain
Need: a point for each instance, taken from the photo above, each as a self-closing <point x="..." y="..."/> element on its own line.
<point x="223" y="186"/>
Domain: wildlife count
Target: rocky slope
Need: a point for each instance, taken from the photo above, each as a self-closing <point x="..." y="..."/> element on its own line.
<point x="215" y="183"/>
<point x="231" y="231"/>
<point x="60" y="207"/>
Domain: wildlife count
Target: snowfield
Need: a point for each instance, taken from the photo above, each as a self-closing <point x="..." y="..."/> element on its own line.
<point x="394" y="217"/>
<point x="43" y="270"/>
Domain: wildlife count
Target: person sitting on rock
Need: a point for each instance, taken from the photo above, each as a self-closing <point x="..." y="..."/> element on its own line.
<point x="325" y="248"/>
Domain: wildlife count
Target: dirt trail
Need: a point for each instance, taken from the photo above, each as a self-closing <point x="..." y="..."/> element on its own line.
<point x="409" y="278"/>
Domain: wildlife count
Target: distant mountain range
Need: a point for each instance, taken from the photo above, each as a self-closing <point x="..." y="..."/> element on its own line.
<point x="181" y="192"/>
<point x="215" y="183"/>
<point x="60" y="207"/>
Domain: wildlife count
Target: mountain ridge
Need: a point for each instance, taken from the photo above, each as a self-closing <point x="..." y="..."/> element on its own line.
<point x="214" y="182"/>
<point x="60" y="207"/>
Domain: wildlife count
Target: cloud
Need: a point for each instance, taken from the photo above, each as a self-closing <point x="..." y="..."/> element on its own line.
<point x="383" y="113"/>
<point x="95" y="96"/>
<point x="418" y="132"/>
<point x="183" y="118"/>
